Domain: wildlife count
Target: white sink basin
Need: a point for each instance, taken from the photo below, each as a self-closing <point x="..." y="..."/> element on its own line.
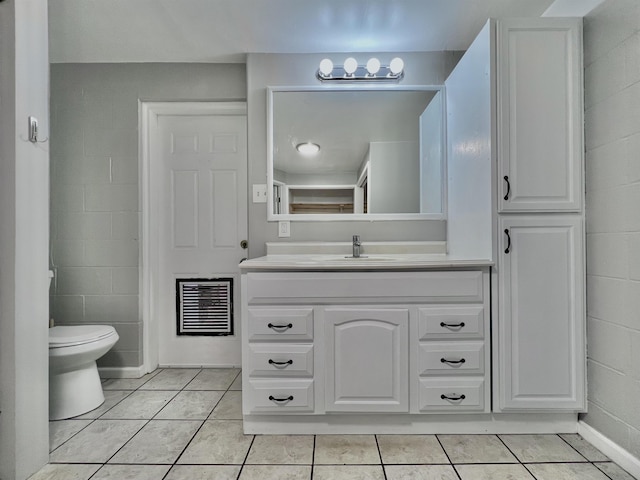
<point x="348" y="258"/>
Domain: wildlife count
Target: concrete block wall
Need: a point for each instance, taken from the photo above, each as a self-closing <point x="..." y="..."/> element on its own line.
<point x="612" y="135"/>
<point x="94" y="185"/>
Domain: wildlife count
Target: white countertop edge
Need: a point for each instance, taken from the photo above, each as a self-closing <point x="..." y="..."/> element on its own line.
<point x="377" y="262"/>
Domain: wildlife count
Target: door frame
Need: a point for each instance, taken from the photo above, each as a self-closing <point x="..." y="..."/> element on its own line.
<point x="149" y="245"/>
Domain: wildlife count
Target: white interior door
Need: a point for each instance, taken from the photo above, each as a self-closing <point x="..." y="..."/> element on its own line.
<point x="201" y="187"/>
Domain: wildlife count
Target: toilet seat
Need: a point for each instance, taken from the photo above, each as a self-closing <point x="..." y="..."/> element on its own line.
<point x="69" y="336"/>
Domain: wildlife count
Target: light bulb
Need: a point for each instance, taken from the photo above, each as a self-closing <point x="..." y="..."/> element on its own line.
<point x="396" y="66"/>
<point x="350" y="65"/>
<point x="308" y="148"/>
<point x="373" y="66"/>
<point x="326" y="67"/>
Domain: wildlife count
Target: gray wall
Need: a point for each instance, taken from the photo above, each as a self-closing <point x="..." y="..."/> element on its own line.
<point x="264" y="70"/>
<point x="94" y="183"/>
<point x="612" y="131"/>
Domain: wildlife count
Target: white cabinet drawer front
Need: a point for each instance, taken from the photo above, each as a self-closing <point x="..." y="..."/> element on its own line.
<point x="451" y="322"/>
<point x="280" y="360"/>
<point x="351" y="287"/>
<point x="280" y="324"/>
<point x="451" y="358"/>
<point x="446" y="394"/>
<point x="281" y="396"/>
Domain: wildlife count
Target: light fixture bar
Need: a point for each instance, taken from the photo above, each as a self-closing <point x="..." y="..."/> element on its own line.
<point x="371" y="72"/>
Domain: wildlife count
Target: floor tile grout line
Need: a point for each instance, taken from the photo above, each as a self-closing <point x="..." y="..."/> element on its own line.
<point x="245" y="458"/>
<point x="574" y="448"/>
<point x="448" y="457"/>
<point x="507" y="447"/>
<point x="384" y="471"/>
<point x="313" y="456"/>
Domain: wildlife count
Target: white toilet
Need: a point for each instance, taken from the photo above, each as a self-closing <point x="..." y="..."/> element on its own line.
<point x="74" y="383"/>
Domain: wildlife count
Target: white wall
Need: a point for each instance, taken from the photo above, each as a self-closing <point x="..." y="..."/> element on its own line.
<point x="394" y="177"/>
<point x="24" y="195"/>
<point x="612" y="134"/>
<point x="263" y="70"/>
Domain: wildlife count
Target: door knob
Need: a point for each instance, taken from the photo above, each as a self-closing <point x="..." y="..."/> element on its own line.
<point x="244" y="244"/>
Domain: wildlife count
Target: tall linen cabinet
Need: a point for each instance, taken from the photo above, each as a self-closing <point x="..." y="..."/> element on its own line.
<point x="515" y="189"/>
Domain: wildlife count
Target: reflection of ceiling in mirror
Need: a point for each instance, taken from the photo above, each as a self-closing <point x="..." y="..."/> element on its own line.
<point x="343" y="123"/>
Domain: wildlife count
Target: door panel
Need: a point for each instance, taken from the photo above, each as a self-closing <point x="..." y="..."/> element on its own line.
<point x="202" y="208"/>
<point x="541" y="314"/>
<point x="367" y="360"/>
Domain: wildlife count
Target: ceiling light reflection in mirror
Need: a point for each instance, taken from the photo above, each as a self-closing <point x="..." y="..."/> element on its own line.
<point x="379" y="153"/>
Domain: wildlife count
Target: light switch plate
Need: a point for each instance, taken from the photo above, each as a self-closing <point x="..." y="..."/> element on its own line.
<point x="284" y="228"/>
<point x="260" y="193"/>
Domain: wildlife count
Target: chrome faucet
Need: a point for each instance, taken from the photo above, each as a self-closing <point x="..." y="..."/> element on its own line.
<point x="356" y="246"/>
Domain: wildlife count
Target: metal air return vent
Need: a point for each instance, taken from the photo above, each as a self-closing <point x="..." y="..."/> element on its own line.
<point x="204" y="306"/>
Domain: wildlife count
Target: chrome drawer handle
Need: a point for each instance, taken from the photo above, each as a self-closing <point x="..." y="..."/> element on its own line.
<point x="453" y="397"/>
<point x="280" y="327"/>
<point x="452" y="362"/>
<point x="280" y="400"/>
<point x="280" y="364"/>
<point x="452" y="325"/>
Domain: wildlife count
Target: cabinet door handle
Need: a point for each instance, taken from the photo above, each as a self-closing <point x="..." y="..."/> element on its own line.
<point x="280" y="327"/>
<point x="452" y="325"/>
<point x="508" y="249"/>
<point x="452" y="362"/>
<point x="506" y="195"/>
<point x="453" y="397"/>
<point x="281" y="400"/>
<point x="281" y="364"/>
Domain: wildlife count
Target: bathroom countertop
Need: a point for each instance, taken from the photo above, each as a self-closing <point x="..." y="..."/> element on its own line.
<point x="365" y="262"/>
<point x="374" y="256"/>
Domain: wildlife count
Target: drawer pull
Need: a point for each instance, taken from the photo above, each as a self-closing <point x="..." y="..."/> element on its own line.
<point x="452" y="362"/>
<point x="453" y="397"/>
<point x="280" y="400"/>
<point x="280" y="364"/>
<point x="279" y="328"/>
<point x="452" y="325"/>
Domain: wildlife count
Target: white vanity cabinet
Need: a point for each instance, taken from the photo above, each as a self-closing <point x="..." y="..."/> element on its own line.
<point x="541" y="328"/>
<point x="539" y="93"/>
<point x="515" y="174"/>
<point x="365" y="342"/>
<point x="367" y="355"/>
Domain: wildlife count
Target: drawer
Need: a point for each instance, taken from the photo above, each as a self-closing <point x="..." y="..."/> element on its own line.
<point x="449" y="322"/>
<point x="280" y="324"/>
<point x="451" y="394"/>
<point x="352" y="287"/>
<point x="278" y="396"/>
<point x="446" y="358"/>
<point x="278" y="360"/>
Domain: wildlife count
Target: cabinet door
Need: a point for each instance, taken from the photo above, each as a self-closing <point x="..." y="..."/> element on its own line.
<point x="539" y="80"/>
<point x="541" y="325"/>
<point x="367" y="359"/>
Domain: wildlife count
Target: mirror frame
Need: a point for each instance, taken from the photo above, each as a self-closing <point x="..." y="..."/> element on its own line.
<point x="273" y="217"/>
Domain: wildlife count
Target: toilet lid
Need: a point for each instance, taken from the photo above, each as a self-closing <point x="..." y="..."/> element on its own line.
<point x="66" y="336"/>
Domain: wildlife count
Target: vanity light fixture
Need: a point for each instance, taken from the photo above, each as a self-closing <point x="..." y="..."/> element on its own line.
<point x="308" y="148"/>
<point x="351" y="71"/>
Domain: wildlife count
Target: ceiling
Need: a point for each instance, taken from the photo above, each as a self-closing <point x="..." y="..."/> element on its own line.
<point x="225" y="30"/>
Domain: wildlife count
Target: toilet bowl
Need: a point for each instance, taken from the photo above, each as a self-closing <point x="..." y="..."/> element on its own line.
<point x="74" y="383"/>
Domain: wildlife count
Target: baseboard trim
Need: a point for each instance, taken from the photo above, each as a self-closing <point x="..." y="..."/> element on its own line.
<point x="409" y="424"/>
<point x="611" y="449"/>
<point x="121" y="372"/>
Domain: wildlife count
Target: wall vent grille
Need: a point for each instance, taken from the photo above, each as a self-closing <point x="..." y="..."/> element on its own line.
<point x="204" y="306"/>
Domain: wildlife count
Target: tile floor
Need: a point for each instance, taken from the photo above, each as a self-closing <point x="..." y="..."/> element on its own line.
<point x="177" y="424"/>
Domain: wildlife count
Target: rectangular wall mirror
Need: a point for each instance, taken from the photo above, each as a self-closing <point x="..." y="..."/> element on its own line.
<point x="381" y="153"/>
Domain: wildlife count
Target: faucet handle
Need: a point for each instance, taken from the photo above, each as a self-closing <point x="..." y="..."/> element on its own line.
<point x="356" y="239"/>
